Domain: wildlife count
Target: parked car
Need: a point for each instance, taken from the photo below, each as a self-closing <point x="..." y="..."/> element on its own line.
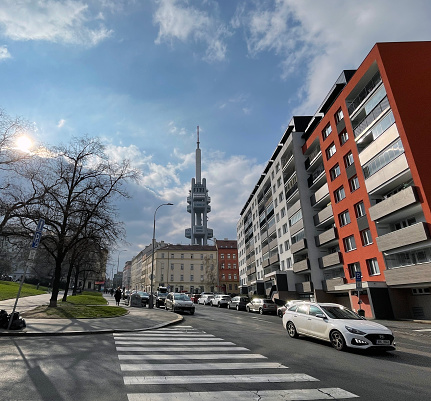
<point x="263" y="306"/>
<point x="179" y="302"/>
<point x="145" y="297"/>
<point x="336" y="324"/>
<point x="238" y="302"/>
<point x="159" y="298"/>
<point x="205" y="299"/>
<point x="220" y="300"/>
<point x="195" y="298"/>
<point x="287" y="305"/>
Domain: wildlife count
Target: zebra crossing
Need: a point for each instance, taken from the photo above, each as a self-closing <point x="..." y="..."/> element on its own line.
<point x="172" y="364"/>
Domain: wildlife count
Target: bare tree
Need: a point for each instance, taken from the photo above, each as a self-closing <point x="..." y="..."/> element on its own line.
<point x="81" y="186"/>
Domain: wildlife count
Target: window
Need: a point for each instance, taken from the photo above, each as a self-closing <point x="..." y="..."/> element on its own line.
<point x="281" y="248"/>
<point x="192" y="267"/>
<point x="277" y="167"/>
<point x="330" y="151"/>
<point x="339" y="194"/>
<point x="233" y="256"/>
<point x="286" y="245"/>
<point x="182" y="266"/>
<point x="354" y="183"/>
<point x="373" y="267"/>
<point x="344" y="218"/>
<point x="353" y="268"/>
<point x="222" y="256"/>
<point x="295" y="218"/>
<point x="349" y="243"/>
<point x="172" y="256"/>
<point x="404" y="223"/>
<point x="326" y="131"/>
<point x="283" y="212"/>
<point x="202" y="256"/>
<point x="222" y="265"/>
<point x="202" y="267"/>
<point x="348" y="159"/>
<point x="343" y="136"/>
<point x="182" y="256"/>
<point x="172" y="277"/>
<point x="172" y="266"/>
<point x="191" y="256"/>
<point x="163" y="255"/>
<point x="202" y="277"/>
<point x="383" y="158"/>
<point x="275" y="202"/>
<point x="359" y="209"/>
<point x="280" y="197"/>
<point x="334" y="172"/>
<point x="279" y="182"/>
<point x="228" y="255"/>
<point x="228" y="265"/>
<point x="277" y="217"/>
<point x="339" y="115"/>
<point x="366" y="237"/>
<point x="284" y="228"/>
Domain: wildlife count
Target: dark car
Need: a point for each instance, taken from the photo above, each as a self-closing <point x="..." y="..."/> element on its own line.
<point x="160" y="298"/>
<point x="238" y="302"/>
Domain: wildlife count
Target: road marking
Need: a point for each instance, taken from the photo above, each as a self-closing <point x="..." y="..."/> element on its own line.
<point x="263" y="395"/>
<point x="130" y="367"/>
<point x="169" y="335"/>
<point x="281" y="378"/>
<point x="162" y="357"/>
<point x="422" y="330"/>
<point x="168" y="348"/>
<point x="216" y="342"/>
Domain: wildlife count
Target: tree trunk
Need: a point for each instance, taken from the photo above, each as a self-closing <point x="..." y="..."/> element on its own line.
<point x="55" y="284"/>
<point x="69" y="274"/>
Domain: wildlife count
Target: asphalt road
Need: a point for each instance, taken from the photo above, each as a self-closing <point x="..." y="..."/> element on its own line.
<point x="133" y="368"/>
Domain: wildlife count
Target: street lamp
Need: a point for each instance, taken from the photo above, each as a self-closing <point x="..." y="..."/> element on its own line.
<point x="151" y="304"/>
<point x="118" y="260"/>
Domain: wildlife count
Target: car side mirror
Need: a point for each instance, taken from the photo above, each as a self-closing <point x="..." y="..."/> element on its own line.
<point x="321" y="315"/>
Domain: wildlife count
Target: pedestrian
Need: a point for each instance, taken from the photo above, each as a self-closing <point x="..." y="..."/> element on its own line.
<point x="117" y="296"/>
<point x="112" y="291"/>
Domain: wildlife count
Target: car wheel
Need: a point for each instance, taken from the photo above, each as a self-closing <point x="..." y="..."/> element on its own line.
<point x="237" y="307"/>
<point x="248" y="309"/>
<point x="261" y="311"/>
<point x="219" y="306"/>
<point x="192" y="312"/>
<point x="279" y="314"/>
<point x="337" y="340"/>
<point x="291" y="330"/>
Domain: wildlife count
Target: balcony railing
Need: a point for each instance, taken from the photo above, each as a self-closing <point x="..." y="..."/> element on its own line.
<point x="369" y="87"/>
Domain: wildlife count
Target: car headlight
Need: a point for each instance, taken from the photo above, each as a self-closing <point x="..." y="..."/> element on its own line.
<point x="354" y="331"/>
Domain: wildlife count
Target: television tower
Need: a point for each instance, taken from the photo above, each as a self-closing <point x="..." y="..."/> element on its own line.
<point x="198" y="206"/>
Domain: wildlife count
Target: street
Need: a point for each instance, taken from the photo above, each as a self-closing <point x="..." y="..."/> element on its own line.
<point x="216" y="354"/>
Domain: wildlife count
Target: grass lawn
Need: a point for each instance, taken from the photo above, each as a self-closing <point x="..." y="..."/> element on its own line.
<point x="9" y="289"/>
<point x="87" y="298"/>
<point x="66" y="310"/>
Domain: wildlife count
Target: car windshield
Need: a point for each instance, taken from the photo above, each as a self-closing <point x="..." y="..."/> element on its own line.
<point x="181" y="297"/>
<point x="143" y="294"/>
<point x="268" y="301"/>
<point x="335" y="312"/>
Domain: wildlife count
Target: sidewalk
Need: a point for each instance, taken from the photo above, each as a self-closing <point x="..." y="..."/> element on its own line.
<point x="136" y="319"/>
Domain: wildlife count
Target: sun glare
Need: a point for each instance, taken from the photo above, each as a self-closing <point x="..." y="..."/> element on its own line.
<point x="24" y="143"/>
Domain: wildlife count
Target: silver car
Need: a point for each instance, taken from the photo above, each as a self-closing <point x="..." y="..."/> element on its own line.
<point x="179" y="302"/>
<point x="263" y="306"/>
<point x="220" y="300"/>
<point x="336" y="324"/>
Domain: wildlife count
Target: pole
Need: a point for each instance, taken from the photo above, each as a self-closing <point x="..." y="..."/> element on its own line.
<point x="151" y="303"/>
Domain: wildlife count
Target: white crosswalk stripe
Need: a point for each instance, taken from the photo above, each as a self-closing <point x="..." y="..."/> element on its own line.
<point x="168" y="358"/>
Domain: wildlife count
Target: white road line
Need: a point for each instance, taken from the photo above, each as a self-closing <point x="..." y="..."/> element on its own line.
<point x="130" y="367"/>
<point x="422" y="330"/>
<point x="168" y="348"/>
<point x="169" y="357"/>
<point x="264" y="395"/>
<point x="166" y="343"/>
<point x="281" y="378"/>
<point x="164" y="335"/>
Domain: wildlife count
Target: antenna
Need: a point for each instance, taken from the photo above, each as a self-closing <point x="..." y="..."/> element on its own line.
<point x="198" y="136"/>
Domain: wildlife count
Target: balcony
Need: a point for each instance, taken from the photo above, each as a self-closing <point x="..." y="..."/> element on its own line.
<point x="365" y="92"/>
<point x="304" y="287"/>
<point x="274" y="259"/>
<point x="265" y="263"/>
<point x="324" y="215"/>
<point x="402" y="199"/>
<point x="299" y="246"/>
<point x="331" y="260"/>
<point x="406" y="236"/>
<point x="301" y="266"/>
<point x="409" y="275"/>
<point x="320" y="195"/>
<point x="269" y="271"/>
<point x="329" y="285"/>
<point x="199" y="207"/>
<point x="251" y="270"/>
<point x="327" y="236"/>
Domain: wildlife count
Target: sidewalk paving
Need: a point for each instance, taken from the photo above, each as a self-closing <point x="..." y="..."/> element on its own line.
<point x="136" y="319"/>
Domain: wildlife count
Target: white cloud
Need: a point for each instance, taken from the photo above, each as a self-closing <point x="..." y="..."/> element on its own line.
<point x="67" y="21"/>
<point x="61" y="123"/>
<point x="177" y="20"/>
<point x="327" y="37"/>
<point x="4" y="53"/>
<point x="174" y="130"/>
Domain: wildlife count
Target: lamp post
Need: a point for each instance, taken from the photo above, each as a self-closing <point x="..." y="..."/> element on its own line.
<point x="151" y="303"/>
<point x="118" y="260"/>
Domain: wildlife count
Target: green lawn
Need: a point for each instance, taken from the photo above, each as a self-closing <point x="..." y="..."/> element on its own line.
<point x="9" y="290"/>
<point x="87" y="298"/>
<point x="66" y="310"/>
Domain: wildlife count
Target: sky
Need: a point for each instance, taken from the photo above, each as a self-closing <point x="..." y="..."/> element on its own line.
<point x="143" y="74"/>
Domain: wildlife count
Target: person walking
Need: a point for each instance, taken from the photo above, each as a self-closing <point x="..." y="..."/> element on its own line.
<point x="117" y="296"/>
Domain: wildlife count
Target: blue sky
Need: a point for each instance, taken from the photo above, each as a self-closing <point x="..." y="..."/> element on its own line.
<point x="141" y="75"/>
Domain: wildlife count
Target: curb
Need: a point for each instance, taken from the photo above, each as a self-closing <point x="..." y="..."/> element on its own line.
<point x="89" y="332"/>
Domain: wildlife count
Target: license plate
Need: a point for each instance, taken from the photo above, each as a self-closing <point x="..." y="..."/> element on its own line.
<point x="383" y="342"/>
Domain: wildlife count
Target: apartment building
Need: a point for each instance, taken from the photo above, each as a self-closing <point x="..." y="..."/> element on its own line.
<point x="228" y="272"/>
<point x="341" y="212"/>
<point x="188" y="268"/>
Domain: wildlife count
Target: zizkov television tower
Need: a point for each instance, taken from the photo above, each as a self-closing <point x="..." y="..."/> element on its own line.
<point x="198" y="206"/>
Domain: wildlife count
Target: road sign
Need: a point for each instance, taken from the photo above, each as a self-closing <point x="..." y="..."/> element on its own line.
<point x="358" y="277"/>
<point x="37" y="234"/>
